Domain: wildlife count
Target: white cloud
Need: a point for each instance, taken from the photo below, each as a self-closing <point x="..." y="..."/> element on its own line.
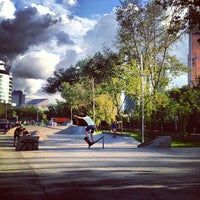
<point x="31" y="68"/>
<point x="42" y="9"/>
<point x="76" y="27"/>
<point x="103" y="33"/>
<point x="35" y="65"/>
<point x="7" y="9"/>
<point x="62" y="45"/>
<point x="70" y="2"/>
<point x="31" y="71"/>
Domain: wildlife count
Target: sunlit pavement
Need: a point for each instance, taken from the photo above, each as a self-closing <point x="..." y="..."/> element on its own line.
<point x="65" y="168"/>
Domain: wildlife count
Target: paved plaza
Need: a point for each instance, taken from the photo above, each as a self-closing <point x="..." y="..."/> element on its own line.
<point x="64" y="168"/>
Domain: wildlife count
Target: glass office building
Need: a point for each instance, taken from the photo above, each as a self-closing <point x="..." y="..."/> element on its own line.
<point x="18" y="98"/>
<point x="5" y="84"/>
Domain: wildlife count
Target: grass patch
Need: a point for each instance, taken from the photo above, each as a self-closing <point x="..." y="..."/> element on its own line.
<point x="179" y="143"/>
<point x="176" y="142"/>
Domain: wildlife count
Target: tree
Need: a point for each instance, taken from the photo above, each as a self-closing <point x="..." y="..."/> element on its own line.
<point x="186" y="12"/>
<point x="144" y="42"/>
<point x="104" y="70"/>
<point x="54" y="83"/>
<point x="186" y="102"/>
<point x="105" y="109"/>
<point x="28" y="112"/>
<point x="76" y="95"/>
<point x="2" y="114"/>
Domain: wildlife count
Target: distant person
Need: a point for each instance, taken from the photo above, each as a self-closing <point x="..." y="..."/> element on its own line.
<point x="90" y="125"/>
<point x="18" y="131"/>
<point x="114" y="129"/>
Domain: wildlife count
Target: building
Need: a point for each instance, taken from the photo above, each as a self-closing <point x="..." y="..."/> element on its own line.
<point x="18" y="98"/>
<point x="194" y="54"/>
<point x="194" y="58"/>
<point x="38" y="103"/>
<point x="5" y="83"/>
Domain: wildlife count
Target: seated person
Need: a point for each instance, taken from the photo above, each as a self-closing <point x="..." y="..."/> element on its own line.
<point x="18" y="131"/>
<point x="26" y="133"/>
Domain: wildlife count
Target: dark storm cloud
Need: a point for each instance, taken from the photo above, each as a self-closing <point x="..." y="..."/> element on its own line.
<point x="70" y="58"/>
<point x="63" y="38"/>
<point x="29" y="68"/>
<point x="26" y="29"/>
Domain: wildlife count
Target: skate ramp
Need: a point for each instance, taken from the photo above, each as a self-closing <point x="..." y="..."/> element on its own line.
<point x="72" y="129"/>
<point x="159" y="142"/>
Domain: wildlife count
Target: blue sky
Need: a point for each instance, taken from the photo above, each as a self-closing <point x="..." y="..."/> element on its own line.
<point x="88" y="8"/>
<point x="46" y="35"/>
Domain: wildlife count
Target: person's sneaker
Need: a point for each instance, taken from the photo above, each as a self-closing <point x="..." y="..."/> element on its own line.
<point x="87" y="140"/>
<point x="91" y="143"/>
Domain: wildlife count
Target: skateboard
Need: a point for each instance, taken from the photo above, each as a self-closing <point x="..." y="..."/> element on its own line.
<point x="91" y="143"/>
<point x="88" y="141"/>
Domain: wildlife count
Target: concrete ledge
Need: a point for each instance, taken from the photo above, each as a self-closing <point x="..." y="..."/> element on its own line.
<point x="159" y="142"/>
<point x="27" y="143"/>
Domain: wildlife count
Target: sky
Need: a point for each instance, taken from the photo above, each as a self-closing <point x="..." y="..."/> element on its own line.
<point x="38" y="37"/>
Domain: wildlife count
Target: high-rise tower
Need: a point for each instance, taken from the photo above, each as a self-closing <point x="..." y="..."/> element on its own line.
<point x="5" y="84"/>
<point x="194" y="58"/>
<point x="194" y="46"/>
<point x="18" y="98"/>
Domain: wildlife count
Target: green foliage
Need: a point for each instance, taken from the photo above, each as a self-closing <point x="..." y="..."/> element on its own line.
<point x="105" y="110"/>
<point x="60" y="109"/>
<point x="28" y="112"/>
<point x="2" y="111"/>
<point x="186" y="99"/>
<point x="182" y="14"/>
<point x="70" y="75"/>
<point x="145" y="36"/>
<point x="77" y="95"/>
<point x="144" y="42"/>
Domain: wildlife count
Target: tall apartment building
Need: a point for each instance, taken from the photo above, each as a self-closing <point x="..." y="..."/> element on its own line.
<point x="194" y="58"/>
<point x="18" y="98"/>
<point x="5" y="84"/>
<point x="194" y="51"/>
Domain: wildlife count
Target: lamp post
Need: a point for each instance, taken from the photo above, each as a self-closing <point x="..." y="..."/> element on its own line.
<point x="142" y="69"/>
<point x="93" y="99"/>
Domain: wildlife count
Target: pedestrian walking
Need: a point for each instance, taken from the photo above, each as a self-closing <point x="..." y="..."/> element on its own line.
<point x="114" y="129"/>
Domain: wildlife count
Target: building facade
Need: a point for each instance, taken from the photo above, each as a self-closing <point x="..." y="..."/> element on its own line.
<point x="6" y="81"/>
<point x="194" y="47"/>
<point x="39" y="103"/>
<point x="18" y="98"/>
<point x="194" y="58"/>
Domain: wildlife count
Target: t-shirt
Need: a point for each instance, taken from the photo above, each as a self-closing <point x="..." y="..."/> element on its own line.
<point x="89" y="121"/>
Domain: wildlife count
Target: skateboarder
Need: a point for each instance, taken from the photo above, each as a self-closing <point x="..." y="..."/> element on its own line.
<point x="90" y="126"/>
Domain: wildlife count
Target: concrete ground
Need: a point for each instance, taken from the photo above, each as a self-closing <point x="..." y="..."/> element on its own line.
<point x="64" y="168"/>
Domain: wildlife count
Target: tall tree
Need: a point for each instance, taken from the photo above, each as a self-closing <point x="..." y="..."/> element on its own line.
<point x="187" y="104"/>
<point x="144" y="40"/>
<point x="187" y="13"/>
<point x="70" y="75"/>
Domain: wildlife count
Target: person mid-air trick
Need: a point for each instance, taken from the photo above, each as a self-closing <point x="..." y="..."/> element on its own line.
<point x="90" y="127"/>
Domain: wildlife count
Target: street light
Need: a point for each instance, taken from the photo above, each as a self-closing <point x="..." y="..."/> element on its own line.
<point x="142" y="69"/>
<point x="93" y="99"/>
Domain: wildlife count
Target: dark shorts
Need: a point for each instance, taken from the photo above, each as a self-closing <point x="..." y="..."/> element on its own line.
<point x="90" y="128"/>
